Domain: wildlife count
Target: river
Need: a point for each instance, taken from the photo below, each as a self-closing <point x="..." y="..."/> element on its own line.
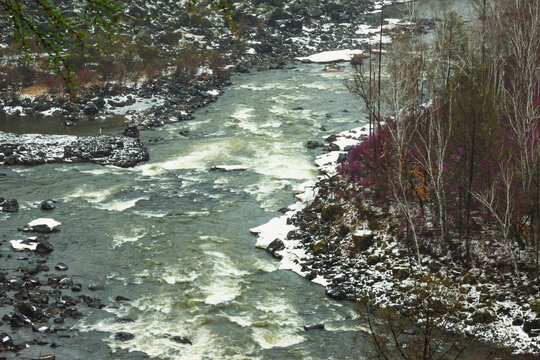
<point x="174" y="237"/>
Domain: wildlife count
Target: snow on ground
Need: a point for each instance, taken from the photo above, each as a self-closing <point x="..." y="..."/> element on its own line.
<point x="330" y="56"/>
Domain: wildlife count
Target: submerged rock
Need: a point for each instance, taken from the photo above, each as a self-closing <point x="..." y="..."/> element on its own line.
<point x="314" y="327"/>
<point x="124" y="336"/>
<point x="181" y="340"/>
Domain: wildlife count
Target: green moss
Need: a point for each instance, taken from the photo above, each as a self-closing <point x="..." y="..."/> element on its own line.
<point x="319" y="246"/>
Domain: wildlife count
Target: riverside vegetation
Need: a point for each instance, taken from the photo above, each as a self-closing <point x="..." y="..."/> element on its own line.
<point x="450" y="171"/>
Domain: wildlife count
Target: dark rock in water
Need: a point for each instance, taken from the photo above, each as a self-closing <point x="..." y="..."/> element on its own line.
<point x="6" y="343"/>
<point x="47" y="205"/>
<point x="314" y="144"/>
<point x="181" y="340"/>
<point x="122" y="298"/>
<point x="124" y="320"/>
<point x="227" y="168"/>
<point x="44" y="247"/>
<point x="335" y="292"/>
<point x="19" y="320"/>
<point x="124" y="336"/>
<point x="283" y="210"/>
<point x="91" y="109"/>
<point x="61" y="267"/>
<point x="331" y="138"/>
<point x="30" y="311"/>
<point x="298" y="108"/>
<point x="241" y="69"/>
<point x="96" y="286"/>
<point x="314" y="327"/>
<point x="274" y="246"/>
<point x="9" y="205"/>
<point x="131" y="131"/>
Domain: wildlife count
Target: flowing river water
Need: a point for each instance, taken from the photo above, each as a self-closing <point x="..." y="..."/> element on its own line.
<point x="174" y="237"/>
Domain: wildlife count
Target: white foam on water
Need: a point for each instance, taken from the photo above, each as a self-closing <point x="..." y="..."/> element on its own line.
<point x="225" y="280"/>
<point x="282" y="164"/>
<point x="177" y="276"/>
<point x="148" y="214"/>
<point x="200" y="155"/>
<point x="91" y="195"/>
<point x="264" y="192"/>
<point x="122" y="238"/>
<point x="153" y="332"/>
<point x="281" y="326"/>
<point x="120" y="205"/>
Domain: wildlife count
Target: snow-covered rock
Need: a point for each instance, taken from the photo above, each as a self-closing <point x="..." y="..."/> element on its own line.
<point x="44" y="225"/>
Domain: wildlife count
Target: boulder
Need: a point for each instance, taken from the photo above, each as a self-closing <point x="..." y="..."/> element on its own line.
<point x="61" y="267"/>
<point x="535" y="307"/>
<point x="131" y="131"/>
<point x="314" y="327"/>
<point x="44" y="247"/>
<point x="124" y="336"/>
<point x="47" y="205"/>
<point x="335" y="292"/>
<point x="241" y="69"/>
<point x="274" y="246"/>
<point x="330" y="212"/>
<point x="43" y="225"/>
<point x="6" y="343"/>
<point x="9" y="205"/>
<point x="314" y="144"/>
<point x="181" y="340"/>
<point x="358" y="59"/>
<point x="530" y="325"/>
<point x="373" y="259"/>
<point x="363" y="241"/>
<point x="91" y="109"/>
<point x="483" y="316"/>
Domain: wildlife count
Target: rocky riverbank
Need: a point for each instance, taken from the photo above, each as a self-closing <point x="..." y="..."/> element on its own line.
<point x="354" y="254"/>
<point x="33" y="149"/>
<point x="39" y="300"/>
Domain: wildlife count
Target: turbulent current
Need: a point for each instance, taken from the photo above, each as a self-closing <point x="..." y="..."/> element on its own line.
<point x="174" y="237"/>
